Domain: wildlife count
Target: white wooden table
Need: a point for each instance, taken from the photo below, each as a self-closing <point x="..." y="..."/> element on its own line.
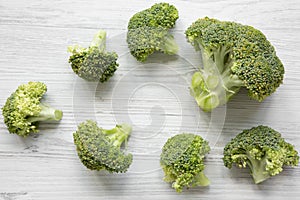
<point x="153" y="97"/>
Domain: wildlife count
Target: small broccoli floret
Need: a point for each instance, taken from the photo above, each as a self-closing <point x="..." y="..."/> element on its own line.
<point x="148" y="31"/>
<point x="263" y="150"/>
<point x="233" y="56"/>
<point x="94" y="63"/>
<point x="23" y="110"/>
<point x="99" y="149"/>
<point x="182" y="160"/>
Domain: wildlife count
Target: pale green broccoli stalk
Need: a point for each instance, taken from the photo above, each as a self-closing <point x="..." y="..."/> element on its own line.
<point x="263" y="150"/>
<point x="182" y="160"/>
<point x="23" y="110"/>
<point x="94" y="63"/>
<point x="148" y="31"/>
<point x="234" y="56"/>
<point x="99" y="149"/>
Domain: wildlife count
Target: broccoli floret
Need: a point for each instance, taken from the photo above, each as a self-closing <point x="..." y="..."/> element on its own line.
<point x="99" y="149"/>
<point x="263" y="150"/>
<point x="234" y="56"/>
<point x="23" y="110"/>
<point x="182" y="160"/>
<point x="94" y="63"/>
<point x="148" y="31"/>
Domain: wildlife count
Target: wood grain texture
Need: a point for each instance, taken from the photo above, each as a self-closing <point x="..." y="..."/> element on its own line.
<point x="154" y="97"/>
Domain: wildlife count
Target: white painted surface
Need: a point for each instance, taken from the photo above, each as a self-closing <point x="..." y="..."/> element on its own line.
<point x="155" y="98"/>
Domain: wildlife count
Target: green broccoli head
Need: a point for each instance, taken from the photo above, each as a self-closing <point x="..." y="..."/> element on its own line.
<point x="263" y="150"/>
<point x="182" y="160"/>
<point x="148" y="31"/>
<point x="94" y="63"/>
<point x="234" y="56"/>
<point x="99" y="149"/>
<point x="23" y="110"/>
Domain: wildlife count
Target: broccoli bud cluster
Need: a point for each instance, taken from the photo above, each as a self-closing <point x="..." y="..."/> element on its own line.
<point x="99" y="149"/>
<point x="24" y="110"/>
<point x="234" y="56"/>
<point x="148" y="31"/>
<point x="263" y="150"/>
<point x="182" y="160"/>
<point x="94" y="63"/>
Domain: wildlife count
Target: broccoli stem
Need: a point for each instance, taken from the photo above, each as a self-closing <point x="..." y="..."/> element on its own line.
<point x="76" y="49"/>
<point x="201" y="179"/>
<point x="47" y="114"/>
<point x="169" y="46"/>
<point x="215" y="84"/>
<point x="119" y="134"/>
<point x="258" y="169"/>
<point x="99" y="41"/>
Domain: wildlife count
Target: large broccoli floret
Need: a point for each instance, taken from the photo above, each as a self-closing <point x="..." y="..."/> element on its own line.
<point x="263" y="150"/>
<point x="182" y="161"/>
<point x="148" y="31"/>
<point x="94" y="63"/>
<point x="23" y="110"/>
<point x="99" y="149"/>
<point x="234" y="56"/>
